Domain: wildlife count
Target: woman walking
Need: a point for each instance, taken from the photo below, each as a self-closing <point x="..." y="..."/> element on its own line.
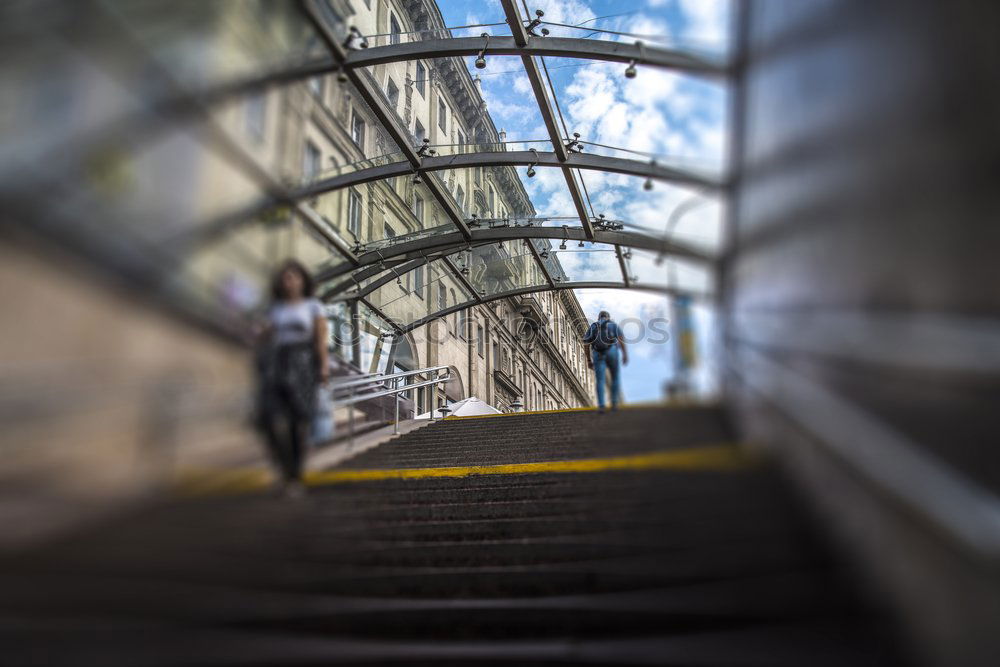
<point x="293" y="362"/>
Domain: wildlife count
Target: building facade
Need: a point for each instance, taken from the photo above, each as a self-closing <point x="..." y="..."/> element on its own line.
<point x="524" y="348"/>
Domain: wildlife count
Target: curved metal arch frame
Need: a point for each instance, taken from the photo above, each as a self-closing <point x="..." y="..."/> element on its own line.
<point x="521" y="41"/>
<point x="392" y="268"/>
<point x="510" y="158"/>
<point x="368" y="92"/>
<point x="339" y="292"/>
<point x="401" y="267"/>
<point x="527" y="47"/>
<point x="557" y="47"/>
<point x="401" y="329"/>
<point x="518" y="44"/>
<point x="420" y="246"/>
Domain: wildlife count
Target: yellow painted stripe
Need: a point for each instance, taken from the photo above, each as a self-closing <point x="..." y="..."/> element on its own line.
<point x="711" y="457"/>
<point x="719" y="457"/>
<point x="515" y="414"/>
<point x="671" y="404"/>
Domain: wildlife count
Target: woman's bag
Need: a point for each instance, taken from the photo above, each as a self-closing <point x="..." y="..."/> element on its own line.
<point x="322" y="422"/>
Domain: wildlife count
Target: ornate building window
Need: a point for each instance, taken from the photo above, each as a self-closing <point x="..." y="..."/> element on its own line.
<point x="316" y="86"/>
<point x="418" y="281"/>
<point x="354" y="214"/>
<point x="392" y="92"/>
<point x="256" y="115"/>
<point x="358" y="130"/>
<point x="421" y="79"/>
<point x="442" y="116"/>
<point x="455" y="321"/>
<point x="418" y="207"/>
<point x="310" y="162"/>
<point x="395" y="31"/>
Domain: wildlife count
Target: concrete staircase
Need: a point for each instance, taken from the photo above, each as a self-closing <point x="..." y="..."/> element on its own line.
<point x="617" y="566"/>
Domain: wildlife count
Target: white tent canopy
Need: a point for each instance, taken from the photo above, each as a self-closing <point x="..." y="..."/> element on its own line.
<point x="467" y="407"/>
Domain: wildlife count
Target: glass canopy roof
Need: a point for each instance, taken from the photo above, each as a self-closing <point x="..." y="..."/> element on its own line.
<point x="418" y="167"/>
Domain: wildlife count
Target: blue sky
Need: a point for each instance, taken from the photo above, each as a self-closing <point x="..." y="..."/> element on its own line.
<point x="662" y="115"/>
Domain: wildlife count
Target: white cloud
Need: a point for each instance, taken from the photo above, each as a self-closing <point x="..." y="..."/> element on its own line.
<point x="471" y="19"/>
<point x="506" y="109"/>
<point x="570" y="12"/>
<point x="521" y="84"/>
<point x="706" y="20"/>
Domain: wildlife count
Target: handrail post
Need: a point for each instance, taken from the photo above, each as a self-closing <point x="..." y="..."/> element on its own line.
<point x="433" y="391"/>
<point x="350" y="423"/>
<point x="395" y="426"/>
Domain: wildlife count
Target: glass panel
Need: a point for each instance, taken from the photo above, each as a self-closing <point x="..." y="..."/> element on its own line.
<point x="57" y="97"/>
<point x="330" y="169"/>
<point x="374" y="333"/>
<point x="663" y="210"/>
<point x="96" y="151"/>
<point x="380" y="214"/>
<point x="360" y="279"/>
<point x="515" y="124"/>
<point x="698" y="27"/>
<point x="418" y="293"/>
<point x="207" y="43"/>
<point x="560" y="221"/>
<point x="583" y="261"/>
<point x="456" y="118"/>
<point x="339" y="316"/>
<point x="336" y="122"/>
<point x="160" y="189"/>
<point x="398" y="28"/>
<point x="450" y="114"/>
<point x="653" y="270"/>
<point x="233" y="271"/>
<point x="676" y="119"/>
<point x="91" y="72"/>
<point x="499" y="267"/>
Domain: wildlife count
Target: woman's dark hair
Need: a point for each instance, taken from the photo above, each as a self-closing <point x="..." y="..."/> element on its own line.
<point x="308" y="284"/>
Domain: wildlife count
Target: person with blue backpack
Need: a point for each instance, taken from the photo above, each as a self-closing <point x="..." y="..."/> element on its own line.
<point x="604" y="346"/>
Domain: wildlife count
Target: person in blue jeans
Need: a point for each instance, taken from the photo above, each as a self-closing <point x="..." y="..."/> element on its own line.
<point x="605" y="350"/>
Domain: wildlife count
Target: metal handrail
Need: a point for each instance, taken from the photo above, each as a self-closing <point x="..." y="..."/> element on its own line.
<point x="374" y="378"/>
<point x="389" y="392"/>
<point x="360" y="376"/>
<point x="400" y="386"/>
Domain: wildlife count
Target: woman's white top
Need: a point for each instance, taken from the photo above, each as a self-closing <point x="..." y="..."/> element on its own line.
<point x="294" y="321"/>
